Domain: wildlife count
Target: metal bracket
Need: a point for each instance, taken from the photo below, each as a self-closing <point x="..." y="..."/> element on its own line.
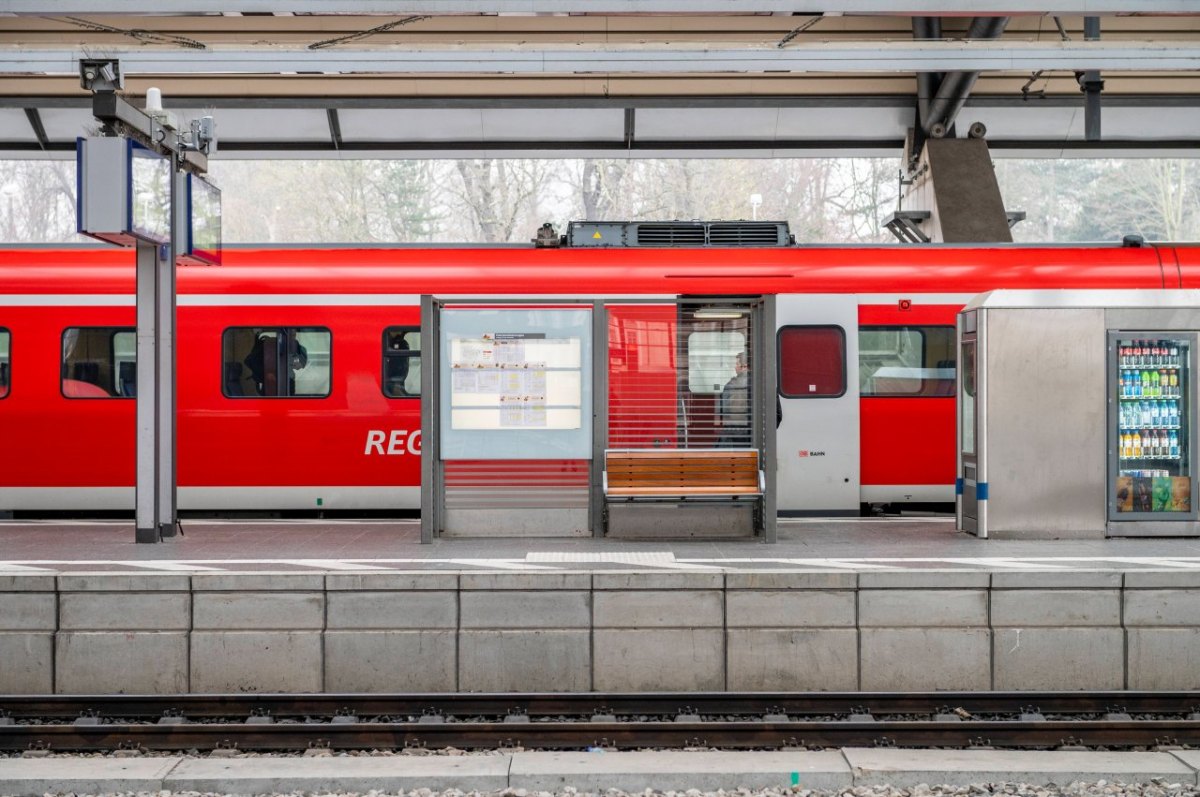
<point x="903" y="225"/>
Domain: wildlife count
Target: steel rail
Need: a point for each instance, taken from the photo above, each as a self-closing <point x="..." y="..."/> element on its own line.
<point x="614" y="735"/>
<point x="556" y="704"/>
<point x="585" y="704"/>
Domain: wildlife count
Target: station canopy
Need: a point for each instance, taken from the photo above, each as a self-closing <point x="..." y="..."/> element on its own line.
<point x="584" y="78"/>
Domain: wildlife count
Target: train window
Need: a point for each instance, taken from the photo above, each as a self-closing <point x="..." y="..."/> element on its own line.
<point x="99" y="362"/>
<point x="5" y="340"/>
<point x="276" y="362"/>
<point x="711" y="357"/>
<point x="402" y="362"/>
<point x="812" y="361"/>
<point x="899" y="361"/>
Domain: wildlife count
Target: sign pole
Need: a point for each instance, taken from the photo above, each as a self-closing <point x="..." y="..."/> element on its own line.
<point x="167" y="516"/>
<point x="146" y="493"/>
<point x="155" y="505"/>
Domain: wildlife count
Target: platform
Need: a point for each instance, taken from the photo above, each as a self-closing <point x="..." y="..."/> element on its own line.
<point x="878" y="605"/>
<point x="867" y="544"/>
<point x="829" y="771"/>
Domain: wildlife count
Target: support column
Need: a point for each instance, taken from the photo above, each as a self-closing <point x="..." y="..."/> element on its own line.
<point x="146" y="490"/>
<point x="955" y="183"/>
<point x="431" y="471"/>
<point x="599" y="417"/>
<point x="165" y="301"/>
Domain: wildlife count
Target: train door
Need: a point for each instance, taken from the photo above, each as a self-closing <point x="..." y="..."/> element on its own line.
<point x="818" y="437"/>
<point x="905" y="374"/>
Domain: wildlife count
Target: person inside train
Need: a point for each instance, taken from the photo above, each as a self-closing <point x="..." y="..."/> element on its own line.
<point x="734" y="407"/>
<point x="262" y="359"/>
<point x="397" y="367"/>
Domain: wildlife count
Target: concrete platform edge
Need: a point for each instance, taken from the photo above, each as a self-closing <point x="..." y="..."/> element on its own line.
<point x="630" y="771"/>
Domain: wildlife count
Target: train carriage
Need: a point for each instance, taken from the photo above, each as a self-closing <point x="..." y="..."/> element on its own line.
<point x="864" y="339"/>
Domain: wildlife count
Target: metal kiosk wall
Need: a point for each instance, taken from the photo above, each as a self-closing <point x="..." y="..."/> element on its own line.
<point x="1077" y="414"/>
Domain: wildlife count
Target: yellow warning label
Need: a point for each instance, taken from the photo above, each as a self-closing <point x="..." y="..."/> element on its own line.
<point x="596" y="235"/>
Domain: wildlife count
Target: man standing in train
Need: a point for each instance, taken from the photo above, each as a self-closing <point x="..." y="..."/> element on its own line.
<point x="733" y="407"/>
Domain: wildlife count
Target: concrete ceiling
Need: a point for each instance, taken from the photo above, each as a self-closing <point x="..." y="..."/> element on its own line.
<point x="637" y="85"/>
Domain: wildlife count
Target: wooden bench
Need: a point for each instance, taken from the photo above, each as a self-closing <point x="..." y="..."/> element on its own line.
<point x="665" y="474"/>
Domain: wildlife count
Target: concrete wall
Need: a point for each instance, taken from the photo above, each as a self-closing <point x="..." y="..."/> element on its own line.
<point x="603" y="631"/>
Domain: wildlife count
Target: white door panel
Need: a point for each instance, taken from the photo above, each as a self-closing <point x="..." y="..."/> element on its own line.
<point x="818" y="441"/>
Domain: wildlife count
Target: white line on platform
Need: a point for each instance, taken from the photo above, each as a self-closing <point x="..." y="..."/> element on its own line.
<point x="12" y="567"/>
<point x="332" y="564"/>
<point x="172" y="566"/>
<point x="663" y="559"/>
<point x="997" y="561"/>
<point x="1175" y="561"/>
<point x="846" y="564"/>
<point x="498" y="564"/>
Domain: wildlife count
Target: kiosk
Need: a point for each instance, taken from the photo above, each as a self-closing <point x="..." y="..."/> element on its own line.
<point x="1076" y="414"/>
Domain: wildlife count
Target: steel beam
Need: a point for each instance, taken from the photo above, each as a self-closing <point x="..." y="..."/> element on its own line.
<point x="406" y="7"/>
<point x="39" y="130"/>
<point x="335" y="127"/>
<point x="640" y="148"/>
<point x="842" y="101"/>
<point x="818" y="57"/>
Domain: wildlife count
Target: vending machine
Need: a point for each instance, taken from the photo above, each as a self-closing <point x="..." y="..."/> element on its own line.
<point x="1076" y="414"/>
<point x="1151" y="436"/>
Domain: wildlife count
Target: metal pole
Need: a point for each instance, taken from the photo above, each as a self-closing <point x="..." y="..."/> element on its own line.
<point x="430" y="464"/>
<point x="599" y="417"/>
<point x="146" y="494"/>
<point x="165" y="302"/>
<point x="767" y="410"/>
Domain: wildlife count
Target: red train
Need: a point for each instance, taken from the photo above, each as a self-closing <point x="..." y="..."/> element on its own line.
<point x="298" y="381"/>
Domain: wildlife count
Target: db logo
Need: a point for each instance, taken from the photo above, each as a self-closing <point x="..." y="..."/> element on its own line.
<point x="397" y="442"/>
<point x="804" y="452"/>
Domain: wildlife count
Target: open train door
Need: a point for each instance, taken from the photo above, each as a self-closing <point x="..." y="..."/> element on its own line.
<point x="818" y="438"/>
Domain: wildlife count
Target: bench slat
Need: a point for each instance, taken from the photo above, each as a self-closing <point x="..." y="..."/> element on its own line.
<point x="691" y="490"/>
<point x="682" y="473"/>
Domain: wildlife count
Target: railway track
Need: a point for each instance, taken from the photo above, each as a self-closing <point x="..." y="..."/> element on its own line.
<point x="622" y="721"/>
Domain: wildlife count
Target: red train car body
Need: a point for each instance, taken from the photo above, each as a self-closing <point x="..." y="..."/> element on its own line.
<point x="357" y="448"/>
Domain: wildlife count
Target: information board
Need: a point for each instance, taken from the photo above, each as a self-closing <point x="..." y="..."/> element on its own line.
<point x="516" y="384"/>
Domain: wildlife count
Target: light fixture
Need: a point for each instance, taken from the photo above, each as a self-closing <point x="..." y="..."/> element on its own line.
<point x="718" y="313"/>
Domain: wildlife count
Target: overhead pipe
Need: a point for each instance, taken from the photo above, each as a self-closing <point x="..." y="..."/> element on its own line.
<point x="926" y="28"/>
<point x="956" y="86"/>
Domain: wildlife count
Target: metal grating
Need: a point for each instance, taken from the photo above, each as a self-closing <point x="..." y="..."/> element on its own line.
<point x="678" y="234"/>
<point x="669" y="234"/>
<point x="745" y="233"/>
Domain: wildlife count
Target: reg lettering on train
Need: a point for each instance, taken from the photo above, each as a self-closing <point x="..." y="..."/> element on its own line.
<point x="398" y="442"/>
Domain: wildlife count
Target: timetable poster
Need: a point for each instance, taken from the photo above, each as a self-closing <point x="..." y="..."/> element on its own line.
<point x="515" y="380"/>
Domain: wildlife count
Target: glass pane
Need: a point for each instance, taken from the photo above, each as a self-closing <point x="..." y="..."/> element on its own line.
<point x="125" y="357"/>
<point x="98" y="362"/>
<point x="308" y="362"/>
<point x="1155" y="473"/>
<point x="906" y="361"/>
<point x="250" y="357"/>
<point x="712" y="360"/>
<point x="5" y="337"/>
<point x="968" y="398"/>
<point x="402" y="362"/>
<point x="812" y="362"/>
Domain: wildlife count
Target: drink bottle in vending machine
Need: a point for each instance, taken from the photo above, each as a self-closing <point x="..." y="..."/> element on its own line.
<point x="1151" y="450"/>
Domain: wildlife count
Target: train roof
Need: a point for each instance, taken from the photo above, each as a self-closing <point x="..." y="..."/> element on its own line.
<point x="491" y="271"/>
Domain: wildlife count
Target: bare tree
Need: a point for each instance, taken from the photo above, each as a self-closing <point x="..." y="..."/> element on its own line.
<point x="37" y="200"/>
<point x="500" y="197"/>
<point x="600" y="186"/>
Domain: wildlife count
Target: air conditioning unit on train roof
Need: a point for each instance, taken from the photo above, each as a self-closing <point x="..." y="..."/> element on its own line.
<point x="679" y="234"/>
